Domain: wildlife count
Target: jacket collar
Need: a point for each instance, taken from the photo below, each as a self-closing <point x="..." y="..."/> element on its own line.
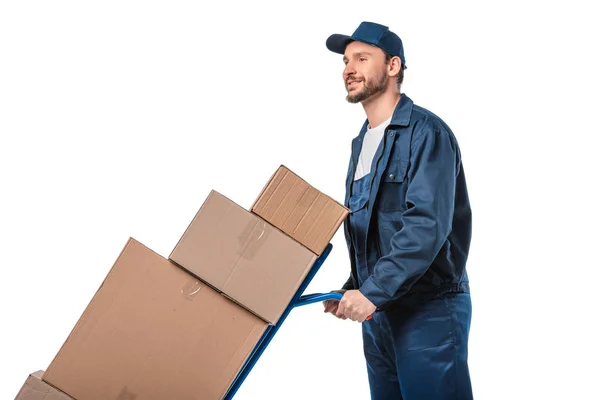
<point x="403" y="111"/>
<point x="400" y="117"/>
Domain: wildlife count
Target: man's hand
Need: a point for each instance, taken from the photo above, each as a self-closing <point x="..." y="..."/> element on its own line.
<point x="331" y="306"/>
<point x="355" y="305"/>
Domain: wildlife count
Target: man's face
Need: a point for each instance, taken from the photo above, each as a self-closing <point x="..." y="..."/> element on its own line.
<point x="365" y="74"/>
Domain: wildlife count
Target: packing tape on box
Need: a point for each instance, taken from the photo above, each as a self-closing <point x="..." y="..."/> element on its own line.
<point x="308" y="198"/>
<point x="252" y="238"/>
<point x="190" y="290"/>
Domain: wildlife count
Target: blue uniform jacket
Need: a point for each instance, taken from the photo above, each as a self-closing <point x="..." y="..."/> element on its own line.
<point x="419" y="216"/>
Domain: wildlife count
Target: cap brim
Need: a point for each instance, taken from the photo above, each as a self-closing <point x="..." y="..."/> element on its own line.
<point x="337" y="43"/>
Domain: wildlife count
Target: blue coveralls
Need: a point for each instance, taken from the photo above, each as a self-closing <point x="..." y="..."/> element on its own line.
<point x="411" y="268"/>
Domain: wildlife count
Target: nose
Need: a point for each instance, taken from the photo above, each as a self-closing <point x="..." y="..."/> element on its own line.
<point x="349" y="70"/>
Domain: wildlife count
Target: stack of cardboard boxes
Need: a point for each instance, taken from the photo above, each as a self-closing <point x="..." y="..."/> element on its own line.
<point x="182" y="327"/>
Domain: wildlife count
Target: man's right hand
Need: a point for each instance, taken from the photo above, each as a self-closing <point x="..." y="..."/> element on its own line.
<point x="331" y="306"/>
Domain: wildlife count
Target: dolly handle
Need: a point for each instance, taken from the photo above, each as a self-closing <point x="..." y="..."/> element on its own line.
<point x="319" y="297"/>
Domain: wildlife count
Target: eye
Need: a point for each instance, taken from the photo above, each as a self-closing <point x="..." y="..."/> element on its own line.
<point x="362" y="59"/>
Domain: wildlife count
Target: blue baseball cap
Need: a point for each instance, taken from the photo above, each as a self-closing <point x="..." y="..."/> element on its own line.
<point x="371" y="33"/>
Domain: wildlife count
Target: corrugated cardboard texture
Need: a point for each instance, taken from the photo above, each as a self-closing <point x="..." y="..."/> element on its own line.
<point x="298" y="209"/>
<point x="152" y="331"/>
<point x="36" y="389"/>
<point x="244" y="257"/>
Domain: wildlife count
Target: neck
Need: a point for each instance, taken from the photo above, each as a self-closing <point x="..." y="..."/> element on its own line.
<point x="380" y="107"/>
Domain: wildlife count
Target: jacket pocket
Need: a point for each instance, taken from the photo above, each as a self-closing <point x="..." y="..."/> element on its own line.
<point x="425" y="326"/>
<point x="392" y="191"/>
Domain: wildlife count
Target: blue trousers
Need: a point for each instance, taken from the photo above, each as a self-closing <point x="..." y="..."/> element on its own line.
<point x="419" y="351"/>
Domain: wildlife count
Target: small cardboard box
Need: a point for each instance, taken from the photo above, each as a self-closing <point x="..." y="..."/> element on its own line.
<point x="244" y="257"/>
<point x="298" y="209"/>
<point x="152" y="331"/>
<point x="35" y="388"/>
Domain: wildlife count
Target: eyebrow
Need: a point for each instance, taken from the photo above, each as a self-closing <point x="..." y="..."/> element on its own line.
<point x="360" y="53"/>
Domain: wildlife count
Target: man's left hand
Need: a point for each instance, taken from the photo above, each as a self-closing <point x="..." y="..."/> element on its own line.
<point x="355" y="305"/>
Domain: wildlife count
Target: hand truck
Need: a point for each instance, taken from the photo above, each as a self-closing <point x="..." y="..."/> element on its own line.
<point x="297" y="301"/>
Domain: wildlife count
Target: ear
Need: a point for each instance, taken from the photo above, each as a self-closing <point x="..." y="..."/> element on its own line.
<point x="394" y="66"/>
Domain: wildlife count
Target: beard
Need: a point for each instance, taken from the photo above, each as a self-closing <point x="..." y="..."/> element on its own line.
<point x="370" y="88"/>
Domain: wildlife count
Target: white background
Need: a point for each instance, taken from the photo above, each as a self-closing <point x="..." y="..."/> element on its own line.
<point x="118" y="117"/>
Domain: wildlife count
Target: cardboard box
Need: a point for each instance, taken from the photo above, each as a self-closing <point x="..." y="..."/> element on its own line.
<point x="35" y="388"/>
<point x="298" y="209"/>
<point x="243" y="256"/>
<point x="154" y="332"/>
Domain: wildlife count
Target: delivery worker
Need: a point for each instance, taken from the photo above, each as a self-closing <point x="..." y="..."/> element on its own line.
<point x="408" y="232"/>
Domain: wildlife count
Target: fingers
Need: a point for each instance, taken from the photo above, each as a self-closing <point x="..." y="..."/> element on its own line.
<point x="341" y="309"/>
<point x="354" y="306"/>
<point x="344" y="309"/>
<point x="353" y="316"/>
<point x="330" y="306"/>
<point x="352" y="312"/>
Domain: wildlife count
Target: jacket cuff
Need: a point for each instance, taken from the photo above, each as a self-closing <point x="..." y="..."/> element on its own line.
<point x="371" y="291"/>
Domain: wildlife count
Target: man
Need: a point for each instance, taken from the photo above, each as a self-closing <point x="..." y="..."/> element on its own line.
<point x="408" y="232"/>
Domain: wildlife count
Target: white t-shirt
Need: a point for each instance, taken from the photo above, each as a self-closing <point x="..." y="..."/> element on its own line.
<point x="369" y="148"/>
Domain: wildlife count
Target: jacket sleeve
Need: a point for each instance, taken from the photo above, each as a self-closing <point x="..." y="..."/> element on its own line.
<point x="427" y="221"/>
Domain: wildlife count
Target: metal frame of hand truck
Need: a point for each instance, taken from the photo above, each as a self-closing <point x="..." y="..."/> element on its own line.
<point x="297" y="300"/>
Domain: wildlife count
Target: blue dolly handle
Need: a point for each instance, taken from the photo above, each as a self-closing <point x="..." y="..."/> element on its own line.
<point x="298" y="300"/>
<point x="318" y="297"/>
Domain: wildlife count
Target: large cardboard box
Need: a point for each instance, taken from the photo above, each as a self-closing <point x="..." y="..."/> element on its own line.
<point x="154" y="332"/>
<point x="35" y="388"/>
<point x="243" y="256"/>
<point x="300" y="210"/>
